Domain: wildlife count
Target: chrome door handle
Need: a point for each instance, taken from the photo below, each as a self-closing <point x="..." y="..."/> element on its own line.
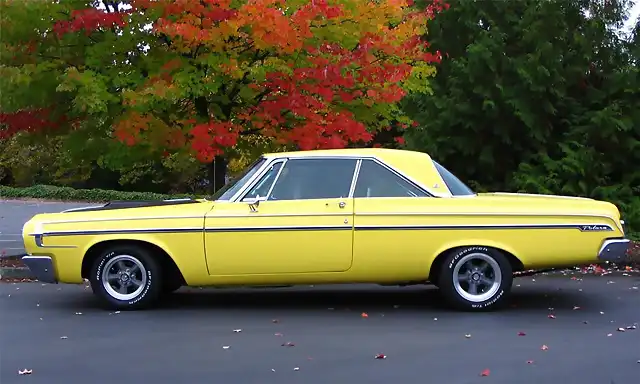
<point x="342" y="204"/>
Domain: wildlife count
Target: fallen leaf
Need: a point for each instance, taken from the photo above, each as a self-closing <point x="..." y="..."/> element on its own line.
<point x="275" y="321"/>
<point x="530" y="361"/>
<point x="78" y="313"/>
<point x="544" y="348"/>
<point x="273" y="370"/>
<point x="25" y="371"/>
<point x="364" y="315"/>
<point x="296" y="368"/>
<point x="63" y="337"/>
<point x="278" y="334"/>
<point x="486" y="372"/>
<point x="521" y="333"/>
<point x="435" y="319"/>
<point x="621" y="329"/>
<point x="237" y="330"/>
<point x="551" y="316"/>
<point x="288" y="344"/>
<point x="575" y="308"/>
<point x="468" y="335"/>
<point x="380" y="356"/>
<point x="632" y="327"/>
<point x="602" y="313"/>
<point x="609" y="334"/>
<point x="225" y="347"/>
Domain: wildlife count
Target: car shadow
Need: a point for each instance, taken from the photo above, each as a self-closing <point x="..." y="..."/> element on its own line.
<point x="426" y="299"/>
<point x="366" y="298"/>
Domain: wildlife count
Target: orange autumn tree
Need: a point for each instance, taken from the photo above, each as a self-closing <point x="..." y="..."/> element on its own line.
<point x="210" y="74"/>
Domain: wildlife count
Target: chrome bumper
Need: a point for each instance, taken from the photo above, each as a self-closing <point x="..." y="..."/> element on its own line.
<point x="614" y="249"/>
<point x="42" y="268"/>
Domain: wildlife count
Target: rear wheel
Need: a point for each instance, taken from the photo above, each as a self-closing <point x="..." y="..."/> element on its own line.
<point x="475" y="278"/>
<point x="126" y="277"/>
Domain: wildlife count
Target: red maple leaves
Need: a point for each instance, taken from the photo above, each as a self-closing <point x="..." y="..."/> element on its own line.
<point x="89" y="20"/>
<point x="32" y="120"/>
<point x="341" y="59"/>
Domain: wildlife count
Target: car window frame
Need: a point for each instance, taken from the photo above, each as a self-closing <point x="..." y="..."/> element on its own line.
<point x="263" y="174"/>
<point x="359" y="159"/>
<point x="394" y="173"/>
<point x="286" y="160"/>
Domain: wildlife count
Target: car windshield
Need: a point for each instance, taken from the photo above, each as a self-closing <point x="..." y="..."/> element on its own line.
<point x="457" y="187"/>
<point x="235" y="184"/>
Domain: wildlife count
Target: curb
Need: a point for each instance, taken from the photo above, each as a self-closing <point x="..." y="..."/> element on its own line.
<point x="16" y="273"/>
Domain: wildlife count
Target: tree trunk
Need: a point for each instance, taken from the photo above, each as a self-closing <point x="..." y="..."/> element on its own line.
<point x="217" y="173"/>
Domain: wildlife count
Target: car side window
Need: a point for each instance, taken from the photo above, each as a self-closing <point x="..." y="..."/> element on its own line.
<point x="303" y="179"/>
<point x="374" y="180"/>
<point x="263" y="186"/>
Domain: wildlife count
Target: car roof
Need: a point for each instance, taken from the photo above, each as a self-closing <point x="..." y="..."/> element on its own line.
<point x="382" y="153"/>
<point x="417" y="166"/>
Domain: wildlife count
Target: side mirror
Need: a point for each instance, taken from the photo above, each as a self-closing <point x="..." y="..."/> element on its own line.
<point x="254" y="202"/>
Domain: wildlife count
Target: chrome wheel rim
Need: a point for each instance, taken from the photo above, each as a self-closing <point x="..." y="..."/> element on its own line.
<point x="124" y="277"/>
<point x="477" y="277"/>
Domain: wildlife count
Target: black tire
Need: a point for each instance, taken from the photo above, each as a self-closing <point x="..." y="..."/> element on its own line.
<point x="147" y="271"/>
<point x="466" y="262"/>
<point x="170" y="286"/>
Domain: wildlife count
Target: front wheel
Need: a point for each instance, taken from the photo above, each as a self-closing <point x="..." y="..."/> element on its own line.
<point x="475" y="278"/>
<point x="126" y="277"/>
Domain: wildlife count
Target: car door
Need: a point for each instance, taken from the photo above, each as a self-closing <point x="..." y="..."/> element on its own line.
<point x="296" y="218"/>
<point x="390" y="239"/>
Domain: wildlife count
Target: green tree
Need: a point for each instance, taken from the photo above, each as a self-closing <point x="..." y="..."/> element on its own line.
<point x="536" y="96"/>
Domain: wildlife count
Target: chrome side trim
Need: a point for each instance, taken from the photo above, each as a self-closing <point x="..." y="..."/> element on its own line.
<point x="95" y="220"/>
<point x="121" y="231"/>
<point x="81" y="208"/>
<point x="280" y="228"/>
<point x="400" y="214"/>
<point x="243" y="215"/>
<point x="580" y="227"/>
<point x="491" y="214"/>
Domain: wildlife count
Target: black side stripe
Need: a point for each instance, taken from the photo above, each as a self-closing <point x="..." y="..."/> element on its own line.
<point x="580" y="227"/>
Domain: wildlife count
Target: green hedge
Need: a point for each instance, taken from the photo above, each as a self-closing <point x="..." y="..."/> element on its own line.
<point x="51" y="192"/>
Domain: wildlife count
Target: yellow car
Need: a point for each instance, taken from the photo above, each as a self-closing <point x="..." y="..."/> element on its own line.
<point x="381" y="216"/>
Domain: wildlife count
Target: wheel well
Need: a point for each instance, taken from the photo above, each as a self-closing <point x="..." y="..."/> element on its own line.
<point x="168" y="265"/>
<point x="516" y="264"/>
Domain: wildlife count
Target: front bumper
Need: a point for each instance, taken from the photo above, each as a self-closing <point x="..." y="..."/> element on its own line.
<point x="614" y="250"/>
<point x="42" y="268"/>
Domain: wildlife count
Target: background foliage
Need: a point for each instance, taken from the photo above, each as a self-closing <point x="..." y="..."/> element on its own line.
<point x="531" y="96"/>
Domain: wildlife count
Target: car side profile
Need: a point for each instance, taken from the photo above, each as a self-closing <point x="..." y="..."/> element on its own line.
<point x="390" y="217"/>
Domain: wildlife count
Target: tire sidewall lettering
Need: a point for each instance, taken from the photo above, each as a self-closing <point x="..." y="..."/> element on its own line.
<point x="99" y="272"/>
<point x="466" y="251"/>
<point x="144" y="291"/>
<point x="454" y="261"/>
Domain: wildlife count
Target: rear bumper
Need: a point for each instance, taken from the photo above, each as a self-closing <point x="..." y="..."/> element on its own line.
<point x="614" y="250"/>
<point x="41" y="267"/>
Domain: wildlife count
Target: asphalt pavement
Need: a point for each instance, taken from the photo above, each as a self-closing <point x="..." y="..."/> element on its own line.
<point x="562" y="328"/>
<point x="13" y="215"/>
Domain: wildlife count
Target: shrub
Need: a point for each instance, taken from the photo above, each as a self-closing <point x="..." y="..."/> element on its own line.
<point x="70" y="194"/>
